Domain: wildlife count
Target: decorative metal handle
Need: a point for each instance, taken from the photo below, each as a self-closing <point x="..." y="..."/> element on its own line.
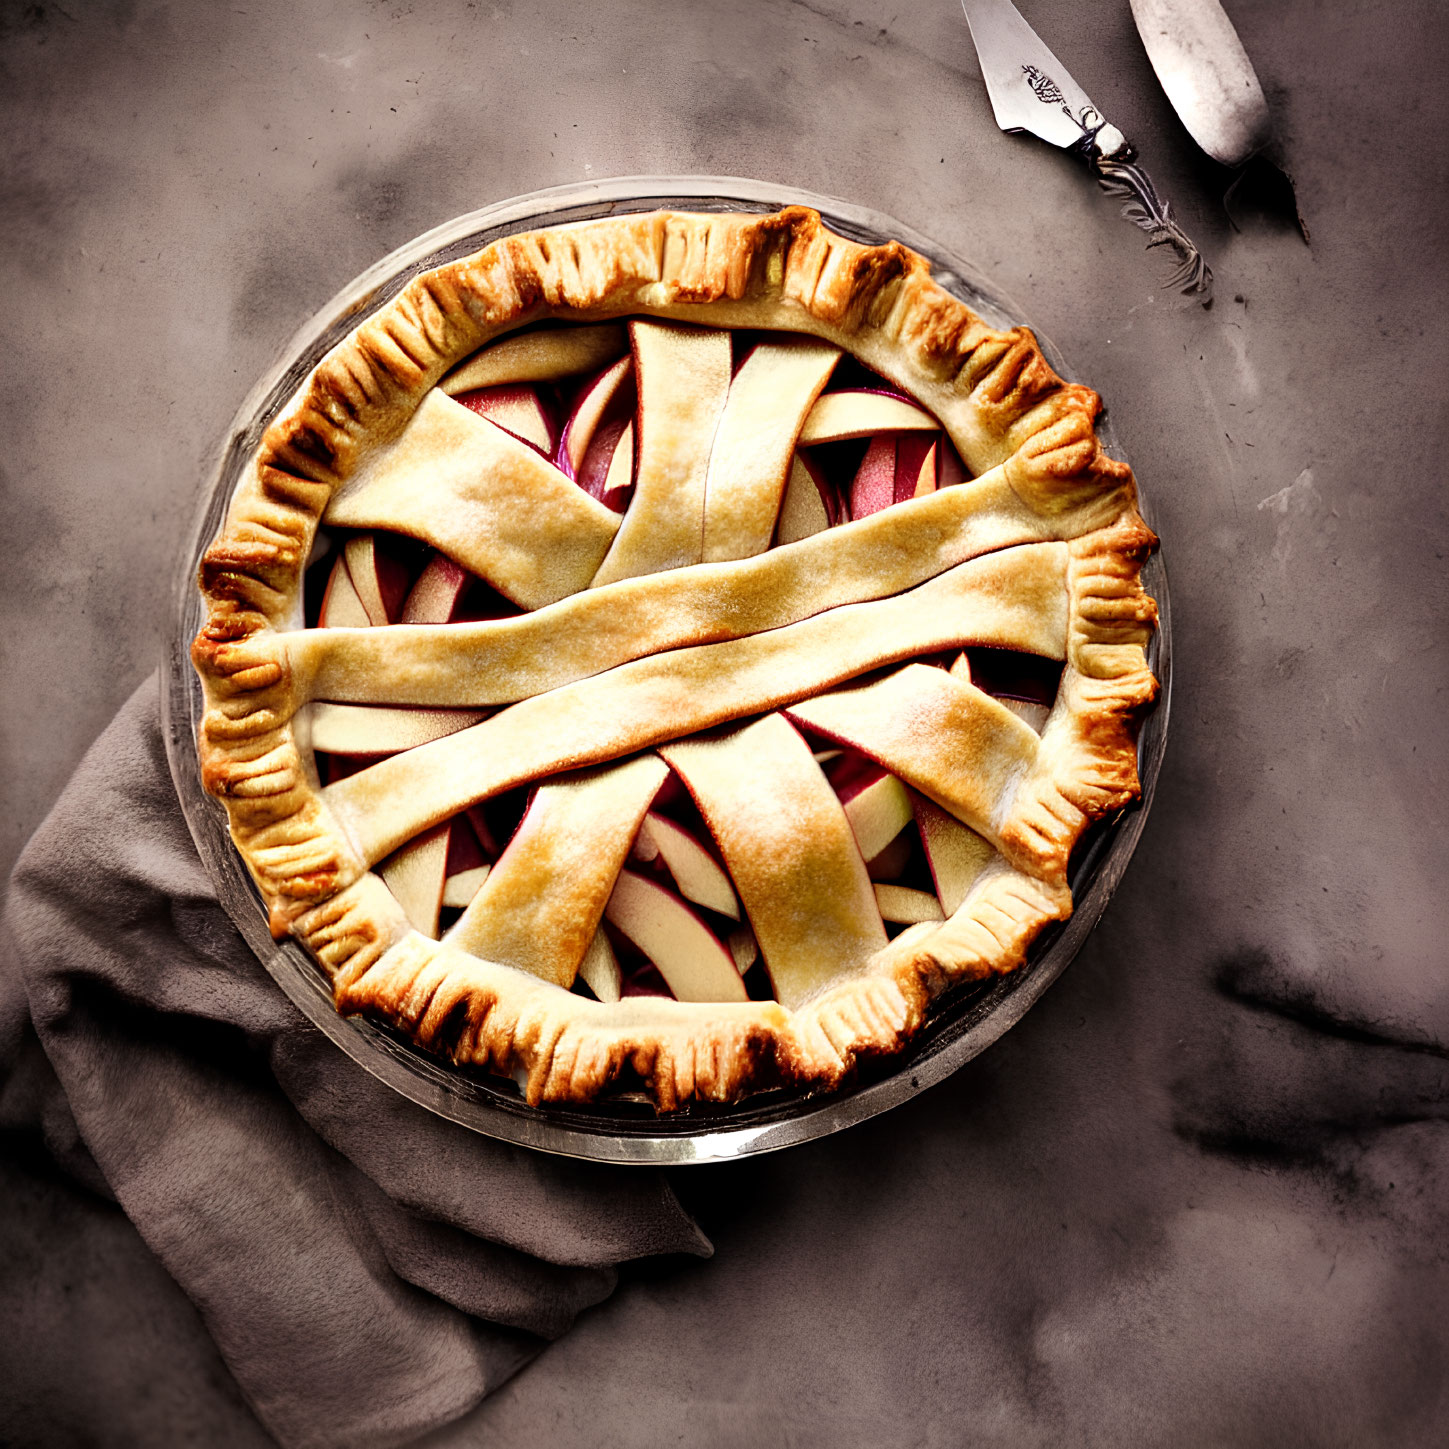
<point x="1119" y="175"/>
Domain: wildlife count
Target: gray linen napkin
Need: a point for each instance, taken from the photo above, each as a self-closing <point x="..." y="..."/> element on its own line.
<point x="368" y="1270"/>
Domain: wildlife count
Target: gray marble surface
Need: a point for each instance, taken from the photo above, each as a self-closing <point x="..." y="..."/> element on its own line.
<point x="1197" y="1196"/>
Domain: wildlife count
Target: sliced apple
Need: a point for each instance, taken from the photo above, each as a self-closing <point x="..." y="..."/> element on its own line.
<point x="645" y="848"/>
<point x="749" y="464"/>
<point x="460" y="887"/>
<point x="543" y="356"/>
<point x="600" y="969"/>
<point x="699" y="876"/>
<point x="683" y="376"/>
<point x="380" y="580"/>
<point x="376" y="729"/>
<point x="414" y="875"/>
<point x="517" y="409"/>
<point x="876" y="804"/>
<point x="619" y="481"/>
<point x="859" y="412"/>
<point x="955" y="853"/>
<point x="889" y="864"/>
<point x="915" y="465"/>
<point x="950" y="470"/>
<point x="805" y="510"/>
<point x="598" y="397"/>
<point x="874" y="485"/>
<point x="341" y="607"/>
<point x="904" y="906"/>
<point x="895" y="469"/>
<point x="607" y="472"/>
<point x="743" y="947"/>
<point x="435" y="597"/>
<point x="667" y="930"/>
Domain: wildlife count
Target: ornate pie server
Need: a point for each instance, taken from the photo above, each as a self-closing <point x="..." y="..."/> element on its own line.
<point x="1031" y="90"/>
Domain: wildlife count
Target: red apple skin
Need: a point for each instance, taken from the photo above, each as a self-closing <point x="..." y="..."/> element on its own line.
<point x="850" y="772"/>
<point x="890" y="472"/>
<point x="593" y="474"/>
<point x="640" y="907"/>
<point x="950" y="470"/>
<point x="912" y="451"/>
<point x="464" y="851"/>
<point x="645" y="981"/>
<point x="333" y="768"/>
<point x="874" y="485"/>
<point x="484" y="833"/>
<point x="390" y="575"/>
<point x="434" y="599"/>
<point x="885" y="389"/>
<point x="600" y="401"/>
<point x="498" y="403"/>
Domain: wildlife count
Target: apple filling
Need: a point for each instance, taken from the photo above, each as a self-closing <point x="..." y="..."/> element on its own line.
<point x="669" y="740"/>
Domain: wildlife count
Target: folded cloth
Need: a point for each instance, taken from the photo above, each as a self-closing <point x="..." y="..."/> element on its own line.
<point x="368" y="1270"/>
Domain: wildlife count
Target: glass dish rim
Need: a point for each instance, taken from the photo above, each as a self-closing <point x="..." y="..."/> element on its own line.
<point x="960" y="1027"/>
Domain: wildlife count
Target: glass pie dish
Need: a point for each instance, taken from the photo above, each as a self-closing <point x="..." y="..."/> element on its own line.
<point x="622" y="1125"/>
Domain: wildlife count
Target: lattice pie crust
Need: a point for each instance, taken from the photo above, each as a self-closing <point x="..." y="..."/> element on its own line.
<point x="676" y="638"/>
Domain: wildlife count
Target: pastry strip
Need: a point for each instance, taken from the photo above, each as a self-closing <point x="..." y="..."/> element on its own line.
<point x="790" y="851"/>
<point x="1016" y="598"/>
<point x="500" y="661"/>
<point x="955" y="744"/>
<point x="361" y="729"/>
<point x="484" y="498"/>
<point x="541" y="904"/>
<point x="755" y="443"/>
<point x="684" y="376"/>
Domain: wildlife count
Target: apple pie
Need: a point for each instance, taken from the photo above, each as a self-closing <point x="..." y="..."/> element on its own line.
<point x="664" y="653"/>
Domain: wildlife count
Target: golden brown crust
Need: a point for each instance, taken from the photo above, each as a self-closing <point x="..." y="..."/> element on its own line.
<point x="1001" y="404"/>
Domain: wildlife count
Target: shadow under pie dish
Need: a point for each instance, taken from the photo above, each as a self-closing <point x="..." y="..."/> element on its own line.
<point x="700" y="605"/>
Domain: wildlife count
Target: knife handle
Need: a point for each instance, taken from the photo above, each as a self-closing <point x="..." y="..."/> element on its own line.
<point x="1119" y="175"/>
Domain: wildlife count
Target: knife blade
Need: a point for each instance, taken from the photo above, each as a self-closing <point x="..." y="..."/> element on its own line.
<point x="1032" y="91"/>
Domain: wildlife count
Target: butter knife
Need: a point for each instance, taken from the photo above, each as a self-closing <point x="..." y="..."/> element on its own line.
<point x="1031" y="90"/>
